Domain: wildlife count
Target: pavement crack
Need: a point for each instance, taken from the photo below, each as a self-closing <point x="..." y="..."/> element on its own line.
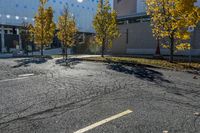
<point x="70" y="106"/>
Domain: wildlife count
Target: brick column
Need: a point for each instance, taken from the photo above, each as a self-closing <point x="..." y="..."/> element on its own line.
<point x="20" y="40"/>
<point x="3" y="48"/>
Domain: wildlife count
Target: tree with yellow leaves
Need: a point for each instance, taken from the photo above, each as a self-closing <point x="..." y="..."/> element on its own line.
<point x="170" y="20"/>
<point x="44" y="27"/>
<point x="66" y="30"/>
<point x="105" y="25"/>
<point x="26" y="35"/>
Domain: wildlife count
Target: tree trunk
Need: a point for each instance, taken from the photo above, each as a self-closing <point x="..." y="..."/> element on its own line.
<point x="172" y="49"/>
<point x="27" y="52"/>
<point x="63" y="52"/>
<point x="27" y="48"/>
<point x="103" y="48"/>
<point x="42" y="47"/>
<point x="158" y="48"/>
<point x="32" y="48"/>
<point x="66" y="54"/>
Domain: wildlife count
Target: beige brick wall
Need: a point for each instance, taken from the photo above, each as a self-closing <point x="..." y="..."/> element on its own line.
<point x="141" y="41"/>
<point x="196" y="39"/>
<point x="139" y="37"/>
<point x="125" y="7"/>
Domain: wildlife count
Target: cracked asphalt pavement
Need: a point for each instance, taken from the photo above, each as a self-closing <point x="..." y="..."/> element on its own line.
<point x="64" y="99"/>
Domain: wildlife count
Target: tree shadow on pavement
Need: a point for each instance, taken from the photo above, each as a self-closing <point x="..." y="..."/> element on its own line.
<point x="27" y="62"/>
<point x="67" y="63"/>
<point x="140" y="72"/>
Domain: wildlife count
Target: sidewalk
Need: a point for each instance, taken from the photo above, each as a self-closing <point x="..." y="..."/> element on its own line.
<point x="79" y="56"/>
<point x="6" y="55"/>
<point x="84" y="56"/>
<point x="48" y="52"/>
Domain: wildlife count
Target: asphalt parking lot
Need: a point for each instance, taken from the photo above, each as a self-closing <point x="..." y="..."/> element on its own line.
<point x="45" y="96"/>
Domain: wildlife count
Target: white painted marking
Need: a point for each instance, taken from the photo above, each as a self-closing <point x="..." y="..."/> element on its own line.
<point x="165" y="131"/>
<point x="104" y="121"/>
<point x="197" y="114"/>
<point x="26" y="75"/>
<point x="5" y="80"/>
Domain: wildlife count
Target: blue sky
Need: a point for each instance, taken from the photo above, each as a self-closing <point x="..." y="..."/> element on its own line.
<point x="111" y="1"/>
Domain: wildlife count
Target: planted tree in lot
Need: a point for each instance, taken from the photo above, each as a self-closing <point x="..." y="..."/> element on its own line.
<point x="105" y="25"/>
<point x="31" y="36"/>
<point x="44" y="27"/>
<point x="170" y="20"/>
<point x="67" y="30"/>
<point x="26" y="35"/>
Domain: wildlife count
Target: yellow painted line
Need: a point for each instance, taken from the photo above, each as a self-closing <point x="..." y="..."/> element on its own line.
<point x="83" y="130"/>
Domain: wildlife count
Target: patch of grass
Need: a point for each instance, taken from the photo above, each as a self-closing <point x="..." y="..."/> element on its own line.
<point x="57" y="56"/>
<point x="159" y="63"/>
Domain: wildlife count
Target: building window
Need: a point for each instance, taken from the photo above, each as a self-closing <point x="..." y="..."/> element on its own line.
<point x="134" y="20"/>
<point x="6" y="32"/>
<point x="119" y="1"/>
